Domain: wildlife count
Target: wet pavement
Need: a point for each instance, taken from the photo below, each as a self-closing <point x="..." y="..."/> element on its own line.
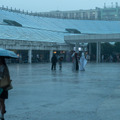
<point x="42" y="94"/>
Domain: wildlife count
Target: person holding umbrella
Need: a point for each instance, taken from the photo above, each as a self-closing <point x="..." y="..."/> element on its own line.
<point x="4" y="72"/>
<point x="4" y="79"/>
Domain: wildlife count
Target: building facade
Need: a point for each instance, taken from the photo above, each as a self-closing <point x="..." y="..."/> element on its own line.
<point x="107" y="13"/>
<point x="36" y="38"/>
<point x="110" y="13"/>
<point x="92" y="14"/>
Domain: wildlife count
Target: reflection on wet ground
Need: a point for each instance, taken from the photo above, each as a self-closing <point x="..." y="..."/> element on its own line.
<point x="42" y="94"/>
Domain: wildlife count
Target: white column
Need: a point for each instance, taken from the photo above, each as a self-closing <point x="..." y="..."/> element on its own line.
<point x="76" y="46"/>
<point x="97" y="49"/>
<point x="88" y="15"/>
<point x="82" y="15"/>
<point x="96" y="16"/>
<point x="89" y="48"/>
<point x="98" y="52"/>
<point x="51" y="54"/>
<point x="29" y="56"/>
<point x="99" y="55"/>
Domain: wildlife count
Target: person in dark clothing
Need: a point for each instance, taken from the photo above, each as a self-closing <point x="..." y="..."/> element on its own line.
<point x="76" y="59"/>
<point x="54" y="61"/>
<point x="60" y="59"/>
<point x="75" y="66"/>
<point x="4" y="72"/>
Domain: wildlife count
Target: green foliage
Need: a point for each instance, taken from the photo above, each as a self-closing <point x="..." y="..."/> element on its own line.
<point x="93" y="48"/>
<point x="107" y="48"/>
<point x="117" y="47"/>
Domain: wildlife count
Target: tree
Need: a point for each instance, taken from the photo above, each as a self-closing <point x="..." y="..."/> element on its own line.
<point x="107" y="48"/>
<point x="117" y="47"/>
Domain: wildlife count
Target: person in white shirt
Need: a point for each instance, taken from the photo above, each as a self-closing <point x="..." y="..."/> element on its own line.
<point x="83" y="62"/>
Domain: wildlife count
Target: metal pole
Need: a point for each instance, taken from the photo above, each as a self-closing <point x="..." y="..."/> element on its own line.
<point x="76" y="46"/>
<point x="30" y="56"/>
<point x="51" y="54"/>
<point x="97" y="49"/>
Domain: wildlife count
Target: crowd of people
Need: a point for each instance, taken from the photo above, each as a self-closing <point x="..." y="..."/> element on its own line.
<point x="110" y="58"/>
<point x="56" y="59"/>
<point x="79" y="61"/>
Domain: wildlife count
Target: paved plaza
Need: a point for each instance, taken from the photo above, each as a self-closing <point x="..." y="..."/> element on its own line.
<point x="42" y="94"/>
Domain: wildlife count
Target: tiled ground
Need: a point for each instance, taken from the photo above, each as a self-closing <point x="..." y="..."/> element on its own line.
<point x="42" y="94"/>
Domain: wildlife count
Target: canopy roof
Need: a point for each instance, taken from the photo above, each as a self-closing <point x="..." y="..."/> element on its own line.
<point x="33" y="28"/>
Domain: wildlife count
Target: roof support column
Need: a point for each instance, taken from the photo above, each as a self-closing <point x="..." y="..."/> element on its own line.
<point x="51" y="54"/>
<point x="76" y="46"/>
<point x="89" y="48"/>
<point x="30" y="56"/>
<point x="98" y="52"/>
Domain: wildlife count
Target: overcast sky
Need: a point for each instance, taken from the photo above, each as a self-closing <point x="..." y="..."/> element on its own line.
<point x="52" y="5"/>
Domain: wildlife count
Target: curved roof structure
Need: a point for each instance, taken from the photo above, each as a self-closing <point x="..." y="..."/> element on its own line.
<point x="50" y="29"/>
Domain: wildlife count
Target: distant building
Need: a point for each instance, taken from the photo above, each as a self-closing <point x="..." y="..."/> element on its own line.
<point x="106" y="13"/>
<point x="92" y="14"/>
<point x="110" y="13"/>
<point x="35" y="39"/>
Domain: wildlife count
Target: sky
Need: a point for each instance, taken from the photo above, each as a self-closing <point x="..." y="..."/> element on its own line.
<point x="53" y="5"/>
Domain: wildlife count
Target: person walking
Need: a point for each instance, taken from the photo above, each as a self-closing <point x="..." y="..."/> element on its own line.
<point x="75" y="60"/>
<point x="4" y="72"/>
<point x="83" y="62"/>
<point x="60" y="59"/>
<point x="54" y="61"/>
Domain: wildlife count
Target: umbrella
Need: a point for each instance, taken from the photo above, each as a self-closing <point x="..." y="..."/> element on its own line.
<point x="7" y="53"/>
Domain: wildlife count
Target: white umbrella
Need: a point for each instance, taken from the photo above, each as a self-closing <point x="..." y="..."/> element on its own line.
<point x="7" y="53"/>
